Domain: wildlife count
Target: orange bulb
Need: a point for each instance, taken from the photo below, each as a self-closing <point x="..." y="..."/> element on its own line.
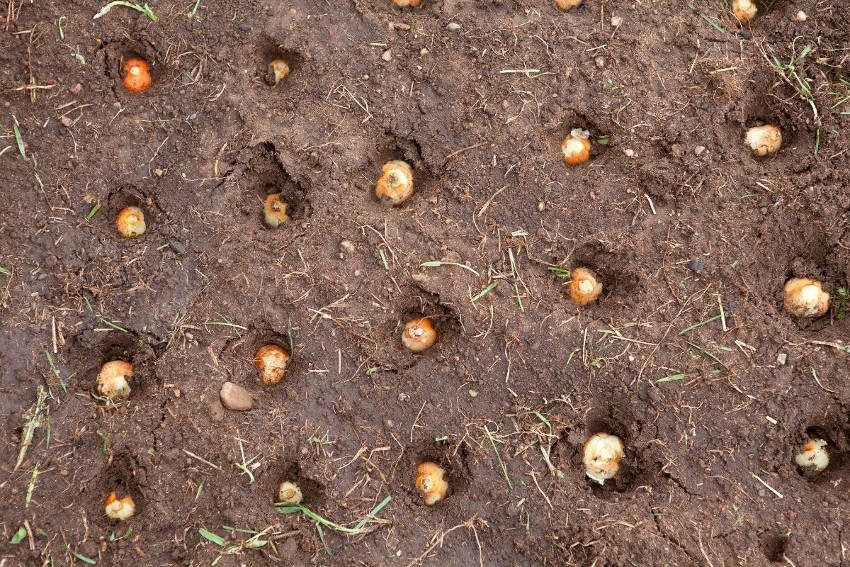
<point x="271" y="361"/>
<point x="431" y="482"/>
<point x="567" y="4"/>
<point x="112" y="380"/>
<point x="278" y="70"/>
<point x="396" y="183"/>
<point x="418" y="334"/>
<point x="576" y="148"/>
<point x="584" y="286"/>
<point x="130" y="222"/>
<point x="119" y="509"/>
<point x="274" y="211"/>
<point x="406" y="3"/>
<point x="136" y="75"/>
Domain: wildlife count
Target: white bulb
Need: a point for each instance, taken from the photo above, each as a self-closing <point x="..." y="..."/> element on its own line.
<point x="289" y="493"/>
<point x="602" y="454"/>
<point x="814" y="455"/>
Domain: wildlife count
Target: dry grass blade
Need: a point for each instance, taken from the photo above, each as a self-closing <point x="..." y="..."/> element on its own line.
<point x="33" y="417"/>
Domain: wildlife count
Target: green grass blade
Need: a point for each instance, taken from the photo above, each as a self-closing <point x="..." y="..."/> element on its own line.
<point x="208" y="535"/>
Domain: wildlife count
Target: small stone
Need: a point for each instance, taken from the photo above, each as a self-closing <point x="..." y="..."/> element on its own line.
<point x="158" y="172"/>
<point x="698" y="150"/>
<point x="216" y="411"/>
<point x="781" y="358"/>
<point x="177" y="246"/>
<point x="696" y="266"/>
<point x="346" y="247"/>
<point x="801" y="16"/>
<point x="746" y="35"/>
<point x="76" y="89"/>
<point x="66" y="121"/>
<point x="424" y="51"/>
<point x="387" y="55"/>
<point x="235" y="397"/>
<point x="629" y="152"/>
<point x="176" y="393"/>
<point x="600" y="61"/>
<point x="453" y="26"/>
<point x="398" y="26"/>
<point x="541" y="206"/>
<point x="473" y="393"/>
<point x="616" y="21"/>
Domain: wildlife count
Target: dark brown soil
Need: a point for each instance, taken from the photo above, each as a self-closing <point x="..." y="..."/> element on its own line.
<point x="519" y="375"/>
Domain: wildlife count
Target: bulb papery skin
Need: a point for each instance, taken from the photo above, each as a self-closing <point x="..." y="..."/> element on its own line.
<point x="418" y="334"/>
<point x="289" y="493"/>
<point x="764" y="140"/>
<point x="395" y="185"/>
<point x="805" y="297"/>
<point x="602" y="455"/>
<point x="744" y="10"/>
<point x="119" y="509"/>
<point x="815" y="455"/>
<point x="431" y="482"/>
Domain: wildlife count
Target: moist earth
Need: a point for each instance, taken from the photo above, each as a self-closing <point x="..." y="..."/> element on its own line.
<point x="688" y="355"/>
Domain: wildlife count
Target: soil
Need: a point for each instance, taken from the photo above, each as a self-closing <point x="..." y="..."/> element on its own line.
<point x="673" y="212"/>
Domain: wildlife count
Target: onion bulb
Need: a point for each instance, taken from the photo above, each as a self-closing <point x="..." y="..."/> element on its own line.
<point x="112" y="380"/>
<point x="396" y="182"/>
<point x="431" y="482"/>
<point x="805" y="298"/>
<point x="418" y="334"/>
<point x="602" y="454"/>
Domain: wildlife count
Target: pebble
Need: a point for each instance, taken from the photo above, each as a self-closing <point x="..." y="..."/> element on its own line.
<point x="781" y="358"/>
<point x="424" y="51"/>
<point x="66" y="121"/>
<point x="696" y="266"/>
<point x="600" y="61"/>
<point x="76" y="89"/>
<point x="345" y="247"/>
<point x="473" y="393"/>
<point x="387" y="55"/>
<point x="801" y="16"/>
<point x="235" y="397"/>
<point x="453" y="26"/>
<point x="616" y="21"/>
<point x="177" y="246"/>
<point x="629" y="152"/>
<point x="698" y="150"/>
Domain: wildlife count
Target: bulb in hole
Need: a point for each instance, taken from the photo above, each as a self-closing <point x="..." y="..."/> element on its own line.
<point x="744" y="10"/>
<point x="406" y="3"/>
<point x="576" y="147"/>
<point x="119" y="509"/>
<point x="567" y="4"/>
<point x="271" y="361"/>
<point x="136" y="75"/>
<point x="764" y="140"/>
<point x="419" y="334"/>
<point x="130" y="222"/>
<point x="431" y="482"/>
<point x="274" y="211"/>
<point x="815" y="455"/>
<point x="602" y="454"/>
<point x="804" y="297"/>
<point x="289" y="493"/>
<point x="277" y="71"/>
<point x="113" y="380"/>
<point x="396" y="182"/>
<point x="584" y="287"/>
